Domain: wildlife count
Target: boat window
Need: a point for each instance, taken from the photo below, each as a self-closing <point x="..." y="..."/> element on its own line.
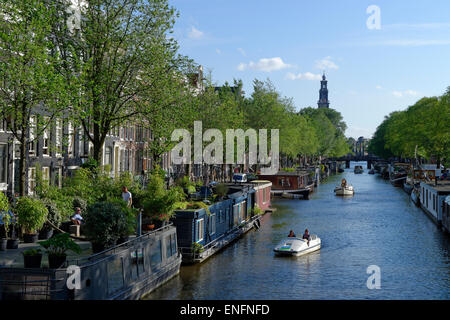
<point x="114" y="269"/>
<point x="199" y="230"/>
<point x="212" y="223"/>
<point x="156" y="254"/>
<point x="173" y="240"/>
<point x="168" y="247"/>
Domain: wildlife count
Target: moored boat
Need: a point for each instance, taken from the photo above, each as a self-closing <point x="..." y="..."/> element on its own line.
<point x="297" y="247"/>
<point x="358" y="169"/>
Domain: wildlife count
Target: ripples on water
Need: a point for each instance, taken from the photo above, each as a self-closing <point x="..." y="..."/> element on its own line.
<point x="377" y="226"/>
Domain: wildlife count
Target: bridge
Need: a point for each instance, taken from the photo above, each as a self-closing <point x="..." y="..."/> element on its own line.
<point x="358" y="157"/>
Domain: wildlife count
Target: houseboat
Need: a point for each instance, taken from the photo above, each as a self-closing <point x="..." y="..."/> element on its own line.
<point x="202" y="232"/>
<point x="446" y="214"/>
<point x="126" y="271"/>
<point x="398" y="172"/>
<point x="290" y="183"/>
<point x="432" y="198"/>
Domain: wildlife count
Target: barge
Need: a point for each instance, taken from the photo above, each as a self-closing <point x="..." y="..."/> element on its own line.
<point x="123" y="272"/>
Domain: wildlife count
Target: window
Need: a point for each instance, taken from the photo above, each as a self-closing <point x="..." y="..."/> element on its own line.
<point x="58" y="137"/>
<point x="32" y="146"/>
<point x="108" y="156"/>
<point x="46" y="143"/>
<point x="169" y="251"/>
<point x="71" y="137"/>
<point x="173" y="240"/>
<point x="212" y="223"/>
<point x="31" y="180"/>
<point x="199" y="230"/>
<point x="3" y="163"/>
<point x="264" y="195"/>
<point x="46" y="174"/>
<point x="156" y="257"/>
<point x="221" y="216"/>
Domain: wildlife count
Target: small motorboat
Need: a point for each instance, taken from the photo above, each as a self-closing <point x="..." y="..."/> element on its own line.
<point x="297" y="247"/>
<point x="358" y="169"/>
<point x="344" y="191"/>
<point x="372" y="171"/>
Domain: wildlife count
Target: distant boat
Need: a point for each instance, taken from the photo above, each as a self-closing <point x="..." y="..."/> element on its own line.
<point x="358" y="169"/>
<point x="372" y="171"/>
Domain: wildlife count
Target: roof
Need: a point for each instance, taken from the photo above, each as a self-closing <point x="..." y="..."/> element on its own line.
<point x="288" y="173"/>
<point x="441" y="187"/>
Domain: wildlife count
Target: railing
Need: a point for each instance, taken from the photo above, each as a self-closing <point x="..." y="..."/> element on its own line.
<point x="118" y="248"/>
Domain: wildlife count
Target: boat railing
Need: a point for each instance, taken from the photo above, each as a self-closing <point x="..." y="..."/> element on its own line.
<point x="118" y="248"/>
<point x="32" y="284"/>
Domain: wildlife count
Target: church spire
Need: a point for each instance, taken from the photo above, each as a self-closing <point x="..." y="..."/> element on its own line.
<point x="323" y="93"/>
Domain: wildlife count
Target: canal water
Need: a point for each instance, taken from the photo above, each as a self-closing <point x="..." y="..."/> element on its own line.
<point x="377" y="226"/>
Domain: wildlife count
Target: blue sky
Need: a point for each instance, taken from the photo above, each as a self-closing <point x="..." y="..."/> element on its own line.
<point x="371" y="72"/>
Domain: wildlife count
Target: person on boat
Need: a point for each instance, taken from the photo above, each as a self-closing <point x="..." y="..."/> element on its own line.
<point x="343" y="183"/>
<point x="306" y="236"/>
<point x="77" y="218"/>
<point x="291" y="234"/>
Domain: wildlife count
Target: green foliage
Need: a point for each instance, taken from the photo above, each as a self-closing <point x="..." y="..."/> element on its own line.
<point x="421" y="130"/>
<point x="78" y="202"/>
<point x="198" y="205"/>
<point x="257" y="210"/>
<point x="59" y="244"/>
<point x="221" y="190"/>
<point x="197" y="248"/>
<point x="91" y="164"/>
<point x="106" y="222"/>
<point x="54" y="213"/>
<point x="31" y="214"/>
<point x="4" y="203"/>
<point x="32" y="252"/>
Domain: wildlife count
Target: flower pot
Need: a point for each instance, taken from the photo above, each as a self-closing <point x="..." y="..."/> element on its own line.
<point x="56" y="261"/>
<point x="12" y="244"/>
<point x="32" y="261"/>
<point x="30" y="237"/>
<point x="3" y="244"/>
<point x="45" y="234"/>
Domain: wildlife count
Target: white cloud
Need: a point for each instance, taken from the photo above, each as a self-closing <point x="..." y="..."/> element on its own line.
<point x="194" y="33"/>
<point x="303" y="76"/>
<point x="326" y="64"/>
<point x="400" y="94"/>
<point x="265" y="64"/>
<point x="379" y="87"/>
<point x="242" y="51"/>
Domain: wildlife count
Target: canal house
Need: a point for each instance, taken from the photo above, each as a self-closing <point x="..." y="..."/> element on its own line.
<point x="432" y="198"/>
<point x="203" y="231"/>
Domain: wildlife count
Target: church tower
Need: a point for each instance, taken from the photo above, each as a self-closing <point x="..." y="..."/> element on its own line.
<point x="323" y="94"/>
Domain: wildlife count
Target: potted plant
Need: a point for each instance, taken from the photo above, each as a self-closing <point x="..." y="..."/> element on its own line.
<point x="104" y="224"/>
<point x="54" y="217"/>
<point x="31" y="214"/>
<point x="56" y="248"/>
<point x="32" y="258"/>
<point x="131" y="218"/>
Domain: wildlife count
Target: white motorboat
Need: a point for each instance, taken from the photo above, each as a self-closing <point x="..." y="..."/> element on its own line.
<point x="297" y="247"/>
<point x="344" y="191"/>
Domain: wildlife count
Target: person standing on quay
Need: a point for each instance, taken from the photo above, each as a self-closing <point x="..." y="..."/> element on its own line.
<point x="126" y="196"/>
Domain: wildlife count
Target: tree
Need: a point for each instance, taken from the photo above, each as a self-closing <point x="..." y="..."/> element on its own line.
<point x="32" y="93"/>
<point x="122" y="57"/>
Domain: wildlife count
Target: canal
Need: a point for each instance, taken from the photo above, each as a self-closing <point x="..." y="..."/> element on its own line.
<point x="377" y="226"/>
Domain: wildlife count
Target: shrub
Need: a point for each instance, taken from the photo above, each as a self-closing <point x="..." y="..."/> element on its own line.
<point x="105" y="222"/>
<point x="221" y="190"/>
<point x="78" y="202"/>
<point x="31" y="214"/>
<point x="54" y="214"/>
<point x="32" y="252"/>
<point x="59" y="244"/>
<point x="199" y="205"/>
